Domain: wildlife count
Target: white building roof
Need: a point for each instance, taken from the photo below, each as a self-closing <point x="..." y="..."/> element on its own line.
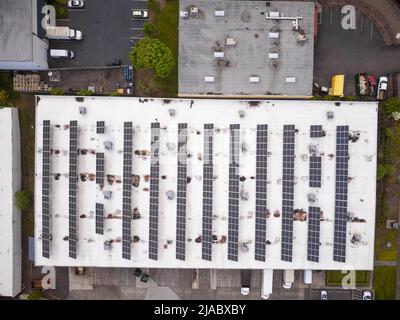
<point x="361" y="118"/>
<point x="10" y="216"/>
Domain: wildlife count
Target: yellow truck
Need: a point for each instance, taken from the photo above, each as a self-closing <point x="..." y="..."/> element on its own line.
<point x="337" y="86"/>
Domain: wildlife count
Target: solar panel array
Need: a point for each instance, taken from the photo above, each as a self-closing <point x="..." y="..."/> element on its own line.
<point x="181" y="192"/>
<point x="287" y="192"/>
<point x="154" y="190"/>
<point x="100" y="168"/>
<point x="100" y="127"/>
<point x="73" y="178"/>
<point x="99" y="218"/>
<point x="315" y="172"/>
<point x="207" y="192"/>
<point x="316" y="131"/>
<point x="314" y="224"/>
<point x="127" y="191"/>
<point x="46" y="190"/>
<point x="342" y="173"/>
<point x="233" y="219"/>
<point x="261" y="191"/>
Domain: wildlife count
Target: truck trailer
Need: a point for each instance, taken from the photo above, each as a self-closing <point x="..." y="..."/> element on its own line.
<point x="63" y="33"/>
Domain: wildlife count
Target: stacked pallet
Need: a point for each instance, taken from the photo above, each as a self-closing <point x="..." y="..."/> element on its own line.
<point x="29" y="83"/>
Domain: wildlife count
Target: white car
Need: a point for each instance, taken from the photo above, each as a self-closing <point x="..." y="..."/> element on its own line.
<point x="324" y="295"/>
<point x="76" y="4"/>
<point x="367" y="295"/>
<point x="140" y="14"/>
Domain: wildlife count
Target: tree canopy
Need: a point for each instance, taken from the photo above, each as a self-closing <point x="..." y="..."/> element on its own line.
<point x="152" y="53"/>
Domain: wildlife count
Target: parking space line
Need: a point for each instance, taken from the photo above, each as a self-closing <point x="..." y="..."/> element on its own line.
<point x="362" y="22"/>
<point x="330" y="19"/>
<point x="136" y="28"/>
<point x="372" y="29"/>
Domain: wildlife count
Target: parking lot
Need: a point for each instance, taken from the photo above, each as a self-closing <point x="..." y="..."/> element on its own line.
<point x="109" y="33"/>
<point x="349" y="52"/>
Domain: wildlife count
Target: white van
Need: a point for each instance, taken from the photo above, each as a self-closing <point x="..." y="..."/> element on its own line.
<point x="307" y="276"/>
<point x="267" y="279"/>
<point x="61" y="53"/>
<point x="288" y="278"/>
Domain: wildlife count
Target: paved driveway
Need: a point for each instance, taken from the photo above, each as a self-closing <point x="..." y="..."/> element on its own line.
<point x="349" y="52"/>
<point x="109" y="32"/>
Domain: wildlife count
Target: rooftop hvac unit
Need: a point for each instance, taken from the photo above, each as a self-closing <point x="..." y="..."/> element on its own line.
<point x="273" y="55"/>
<point x="82" y="110"/>
<point x="194" y="10"/>
<point x="107" y="245"/>
<point x="254" y="79"/>
<point x="230" y="42"/>
<point x="273" y="14"/>
<point x="107" y="194"/>
<point x="172" y="112"/>
<point x="219" y="13"/>
<point x="108" y="145"/>
<point x="183" y="14"/>
<point x="274" y="35"/>
<point x="219" y="55"/>
<point x="209" y="79"/>
<point x="313" y="149"/>
<point x="311" y="197"/>
<point x="290" y="80"/>
<point x="330" y="115"/>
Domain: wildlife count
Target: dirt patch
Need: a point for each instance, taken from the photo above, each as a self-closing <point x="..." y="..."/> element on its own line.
<point x="146" y="84"/>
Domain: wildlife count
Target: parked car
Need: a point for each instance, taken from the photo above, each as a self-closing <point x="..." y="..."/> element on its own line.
<point x="372" y="83"/>
<point x="140" y="14"/>
<point x="144" y="277"/>
<point x="245" y="280"/>
<point x="76" y="4"/>
<point x="62" y="53"/>
<point x="382" y="88"/>
<point x="324" y="295"/>
<point x="367" y="295"/>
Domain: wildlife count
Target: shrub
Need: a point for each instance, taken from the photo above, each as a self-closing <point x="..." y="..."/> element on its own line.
<point x="154" y="54"/>
<point x="85" y="92"/>
<point x="392" y="106"/>
<point x="35" y="295"/>
<point x="22" y="200"/>
<point x="57" y="91"/>
<point x="114" y="94"/>
<point x="4" y="96"/>
<point x="149" y="29"/>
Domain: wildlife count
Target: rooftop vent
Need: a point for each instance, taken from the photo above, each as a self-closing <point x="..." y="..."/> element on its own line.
<point x="273" y="14"/>
<point x="274" y="35"/>
<point x="194" y="11"/>
<point x="209" y="79"/>
<point x="183" y="14"/>
<point x="290" y="80"/>
<point x="254" y="79"/>
<point x="242" y="113"/>
<point x="219" y="13"/>
<point x="272" y="55"/>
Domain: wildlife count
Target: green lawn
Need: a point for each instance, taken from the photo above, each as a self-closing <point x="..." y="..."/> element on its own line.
<point x="334" y="278"/>
<point x="26" y="110"/>
<point x="385" y="283"/>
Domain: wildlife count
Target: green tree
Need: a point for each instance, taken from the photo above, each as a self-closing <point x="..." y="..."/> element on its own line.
<point x="152" y="53"/>
<point x="22" y="200"/>
<point x="392" y="105"/>
<point x="4" y="96"/>
<point x="57" y="91"/>
<point x="149" y="29"/>
<point x="114" y="94"/>
<point x="35" y="295"/>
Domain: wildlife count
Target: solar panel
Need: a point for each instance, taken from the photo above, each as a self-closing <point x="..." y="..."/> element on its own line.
<point x="287" y="192"/>
<point x="342" y="173"/>
<point x="154" y="190"/>
<point x="314" y="224"/>
<point x="207" y="192"/>
<point x="316" y="131"/>
<point x="315" y="172"/>
<point x="99" y="218"/>
<point x="261" y="191"/>
<point x="46" y="190"/>
<point x="100" y="168"/>
<point x="181" y="192"/>
<point x="127" y="191"/>
<point x="73" y="178"/>
<point x="100" y="127"/>
<point x="233" y="219"/>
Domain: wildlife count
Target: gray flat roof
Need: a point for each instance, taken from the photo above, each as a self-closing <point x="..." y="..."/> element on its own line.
<point x="16" y="30"/>
<point x="245" y="21"/>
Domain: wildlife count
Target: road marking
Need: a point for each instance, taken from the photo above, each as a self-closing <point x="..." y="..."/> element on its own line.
<point x="136" y="28"/>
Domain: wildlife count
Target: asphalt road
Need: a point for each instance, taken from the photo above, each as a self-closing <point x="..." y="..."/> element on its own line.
<point x="109" y="32"/>
<point x="349" y="52"/>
